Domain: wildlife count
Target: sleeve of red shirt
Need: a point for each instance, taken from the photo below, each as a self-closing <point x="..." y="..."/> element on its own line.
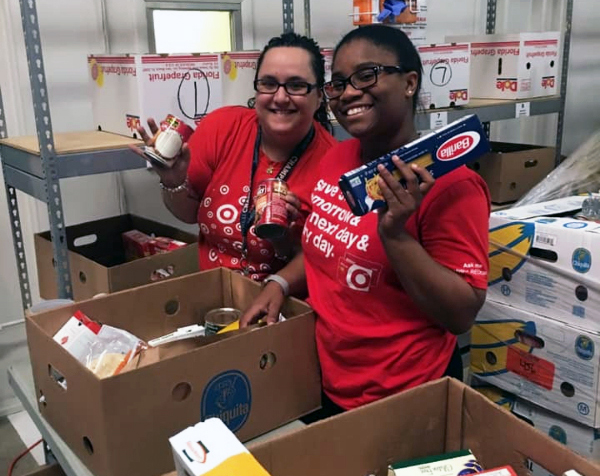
<point x="209" y="143"/>
<point x="454" y="229"/>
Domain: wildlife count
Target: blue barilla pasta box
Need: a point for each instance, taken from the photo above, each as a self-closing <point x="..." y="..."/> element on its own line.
<point x="440" y="152"/>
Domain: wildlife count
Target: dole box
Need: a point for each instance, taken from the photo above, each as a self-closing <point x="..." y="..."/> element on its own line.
<point x="440" y="152"/>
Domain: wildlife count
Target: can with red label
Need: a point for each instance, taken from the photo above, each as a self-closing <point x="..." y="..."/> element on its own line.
<point x="271" y="219"/>
<point x="169" y="139"/>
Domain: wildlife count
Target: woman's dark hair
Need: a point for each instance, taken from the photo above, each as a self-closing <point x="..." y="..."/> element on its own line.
<point x="393" y="40"/>
<point x="317" y="63"/>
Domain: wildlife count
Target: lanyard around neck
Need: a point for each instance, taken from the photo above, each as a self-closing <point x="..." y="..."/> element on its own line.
<point x="247" y="215"/>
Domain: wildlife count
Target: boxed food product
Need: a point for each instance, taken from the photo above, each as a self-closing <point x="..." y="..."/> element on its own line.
<point x="458" y="463"/>
<point x="440" y="152"/>
<point x="210" y="448"/>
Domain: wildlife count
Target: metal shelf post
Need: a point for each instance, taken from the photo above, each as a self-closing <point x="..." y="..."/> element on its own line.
<point x="288" y="15"/>
<point x="563" y="81"/>
<point x="41" y="107"/>
<point x="15" y="224"/>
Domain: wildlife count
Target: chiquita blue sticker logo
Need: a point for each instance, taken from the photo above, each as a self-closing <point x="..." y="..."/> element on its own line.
<point x="227" y="396"/>
<point x="558" y="434"/>
<point x="584" y="348"/>
<point x="575" y="225"/>
<point x="581" y="260"/>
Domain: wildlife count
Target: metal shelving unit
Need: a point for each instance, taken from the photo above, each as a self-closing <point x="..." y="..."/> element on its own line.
<point x="36" y="165"/>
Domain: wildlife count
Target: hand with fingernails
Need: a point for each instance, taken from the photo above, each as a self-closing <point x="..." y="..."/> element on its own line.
<point x="173" y="176"/>
<point x="401" y="200"/>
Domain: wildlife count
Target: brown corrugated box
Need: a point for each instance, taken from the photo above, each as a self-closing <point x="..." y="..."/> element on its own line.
<point x="436" y="418"/>
<point x="99" y="264"/>
<point x="260" y="378"/>
<point x="511" y="170"/>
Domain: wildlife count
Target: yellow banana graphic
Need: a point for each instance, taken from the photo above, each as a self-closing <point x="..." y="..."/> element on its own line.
<point x="490" y="341"/>
<point x="509" y="246"/>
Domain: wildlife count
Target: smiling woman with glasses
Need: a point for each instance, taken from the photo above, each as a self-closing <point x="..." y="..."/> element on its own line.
<point x="214" y="180"/>
<point x="362" y="79"/>
<point x="390" y="289"/>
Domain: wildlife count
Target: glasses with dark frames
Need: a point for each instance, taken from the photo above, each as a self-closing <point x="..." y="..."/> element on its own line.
<point x="293" y="88"/>
<point x="362" y="79"/>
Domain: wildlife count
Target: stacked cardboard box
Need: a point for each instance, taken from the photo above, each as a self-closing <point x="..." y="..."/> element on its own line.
<point x="538" y="335"/>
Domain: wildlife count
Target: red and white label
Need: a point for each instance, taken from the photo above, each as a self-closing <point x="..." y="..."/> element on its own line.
<point x="458" y="146"/>
<point x="530" y="367"/>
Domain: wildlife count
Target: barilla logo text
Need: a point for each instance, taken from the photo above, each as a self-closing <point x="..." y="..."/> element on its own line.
<point x="548" y="82"/>
<point x="459" y="94"/>
<point x="458" y="146"/>
<point x="506" y="84"/>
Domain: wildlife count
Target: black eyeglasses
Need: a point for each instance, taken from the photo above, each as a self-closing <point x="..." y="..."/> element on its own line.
<point x="293" y="88"/>
<point x="361" y="79"/>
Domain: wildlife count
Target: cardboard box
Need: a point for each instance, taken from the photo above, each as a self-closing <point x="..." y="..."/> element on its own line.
<point x="511" y="170"/>
<point x="514" y="66"/>
<point x="446" y="71"/>
<point x="541" y="360"/>
<point x="98" y="262"/>
<point x="542" y="260"/>
<point x="128" y="89"/>
<point x="582" y="439"/>
<point x="437" y="417"/>
<point x="238" y="70"/>
<point x="253" y="379"/>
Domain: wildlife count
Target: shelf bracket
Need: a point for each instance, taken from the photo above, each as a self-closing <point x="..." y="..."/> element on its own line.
<point x="41" y="109"/>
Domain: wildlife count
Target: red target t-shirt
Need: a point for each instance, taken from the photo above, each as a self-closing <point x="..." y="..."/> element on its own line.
<point x="373" y="340"/>
<point x="222" y="149"/>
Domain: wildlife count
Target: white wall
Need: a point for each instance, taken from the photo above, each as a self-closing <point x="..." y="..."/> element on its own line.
<point x="66" y="43"/>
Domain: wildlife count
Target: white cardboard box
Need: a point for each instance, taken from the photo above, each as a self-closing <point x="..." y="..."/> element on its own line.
<point x="546" y="362"/>
<point x="514" y="66"/>
<point x="210" y="448"/>
<point x="545" y="262"/>
<point x="446" y="70"/>
<point x="239" y="69"/>
<point x="127" y="89"/>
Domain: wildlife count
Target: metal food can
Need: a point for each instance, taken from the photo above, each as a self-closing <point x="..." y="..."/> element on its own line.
<point x="220" y="318"/>
<point x="271" y="213"/>
<point x="169" y="140"/>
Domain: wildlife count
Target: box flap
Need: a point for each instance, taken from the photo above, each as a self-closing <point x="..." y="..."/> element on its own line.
<point x="549" y="208"/>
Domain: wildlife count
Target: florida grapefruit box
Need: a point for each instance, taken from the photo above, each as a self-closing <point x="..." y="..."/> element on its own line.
<point x="440" y="152"/>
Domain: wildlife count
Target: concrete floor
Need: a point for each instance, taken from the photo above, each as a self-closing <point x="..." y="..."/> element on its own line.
<point x="11" y="446"/>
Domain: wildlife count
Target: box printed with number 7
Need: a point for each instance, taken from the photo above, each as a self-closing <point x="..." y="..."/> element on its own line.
<point x="544" y="361"/>
<point x="446" y="71"/>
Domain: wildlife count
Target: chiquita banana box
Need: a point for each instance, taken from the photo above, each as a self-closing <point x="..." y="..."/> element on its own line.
<point x="544" y="361"/>
<point x="542" y="259"/>
<point x="440" y="152"/>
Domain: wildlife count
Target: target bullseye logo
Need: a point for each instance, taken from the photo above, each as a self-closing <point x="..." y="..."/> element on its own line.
<point x="227" y="214"/>
<point x="359" y="278"/>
